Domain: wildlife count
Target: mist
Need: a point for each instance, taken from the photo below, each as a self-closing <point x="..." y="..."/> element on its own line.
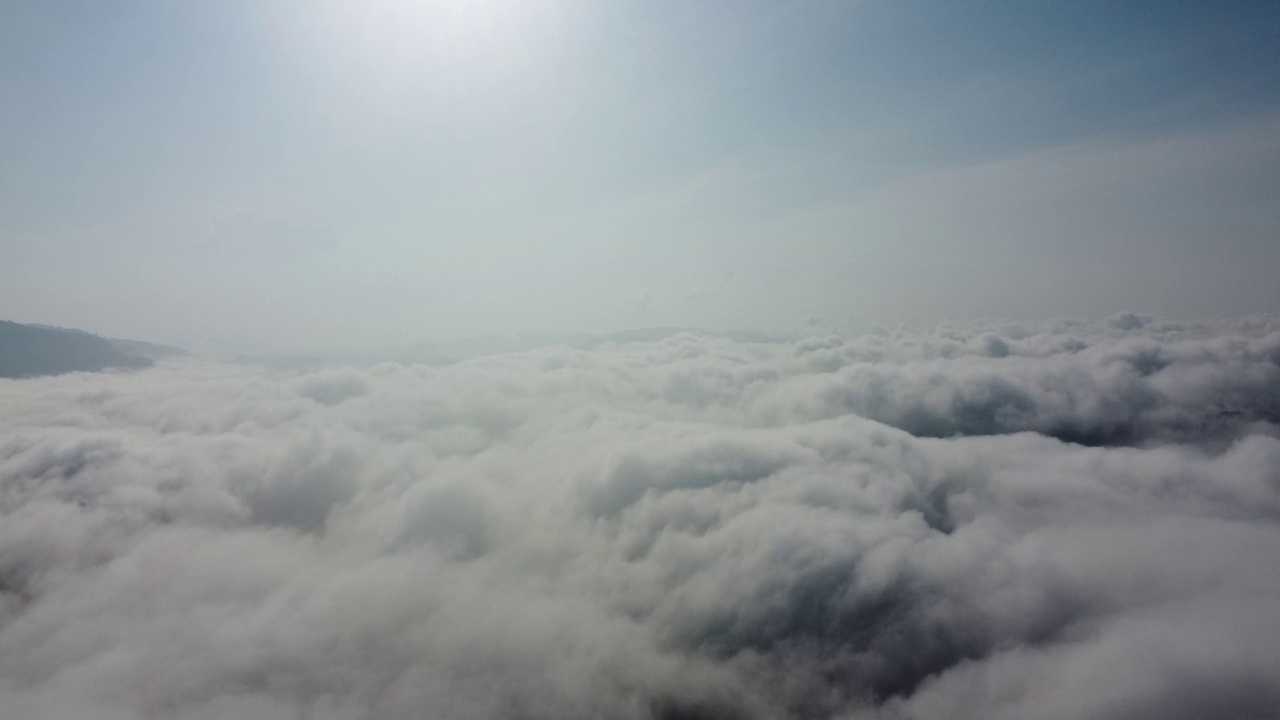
<point x="342" y="179"/>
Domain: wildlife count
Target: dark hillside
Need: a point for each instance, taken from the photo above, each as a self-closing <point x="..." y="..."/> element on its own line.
<point x="26" y="350"/>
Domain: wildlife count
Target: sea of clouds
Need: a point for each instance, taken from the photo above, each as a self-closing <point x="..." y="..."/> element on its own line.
<point x="1067" y="520"/>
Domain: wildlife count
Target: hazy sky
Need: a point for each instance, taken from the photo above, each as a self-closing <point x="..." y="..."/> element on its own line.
<point x="284" y="176"/>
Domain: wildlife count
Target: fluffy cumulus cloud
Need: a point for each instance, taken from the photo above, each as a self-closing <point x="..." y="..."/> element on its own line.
<point x="1075" y="520"/>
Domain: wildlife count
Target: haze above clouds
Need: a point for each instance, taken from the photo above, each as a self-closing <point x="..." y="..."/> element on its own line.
<point x="294" y="177"/>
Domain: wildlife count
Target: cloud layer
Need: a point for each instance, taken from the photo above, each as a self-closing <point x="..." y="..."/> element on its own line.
<point x="1080" y="520"/>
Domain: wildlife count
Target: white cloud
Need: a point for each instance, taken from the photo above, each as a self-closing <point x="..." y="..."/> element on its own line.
<point x="886" y="526"/>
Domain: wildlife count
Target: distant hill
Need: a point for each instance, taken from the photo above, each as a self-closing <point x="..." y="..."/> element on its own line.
<point x="150" y="351"/>
<point x="27" y="350"/>
<point x="135" y="348"/>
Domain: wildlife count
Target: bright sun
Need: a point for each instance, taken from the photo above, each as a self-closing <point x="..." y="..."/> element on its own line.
<point x="451" y="37"/>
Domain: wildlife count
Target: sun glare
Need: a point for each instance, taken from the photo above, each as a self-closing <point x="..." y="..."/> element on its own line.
<point x="422" y="38"/>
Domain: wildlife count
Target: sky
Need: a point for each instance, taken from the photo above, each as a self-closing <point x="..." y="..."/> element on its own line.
<point x="289" y="177"/>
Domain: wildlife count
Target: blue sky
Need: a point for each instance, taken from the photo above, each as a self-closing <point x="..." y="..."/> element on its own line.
<point x="289" y="176"/>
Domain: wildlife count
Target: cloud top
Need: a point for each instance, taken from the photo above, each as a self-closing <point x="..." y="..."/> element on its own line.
<point x="1074" y="520"/>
